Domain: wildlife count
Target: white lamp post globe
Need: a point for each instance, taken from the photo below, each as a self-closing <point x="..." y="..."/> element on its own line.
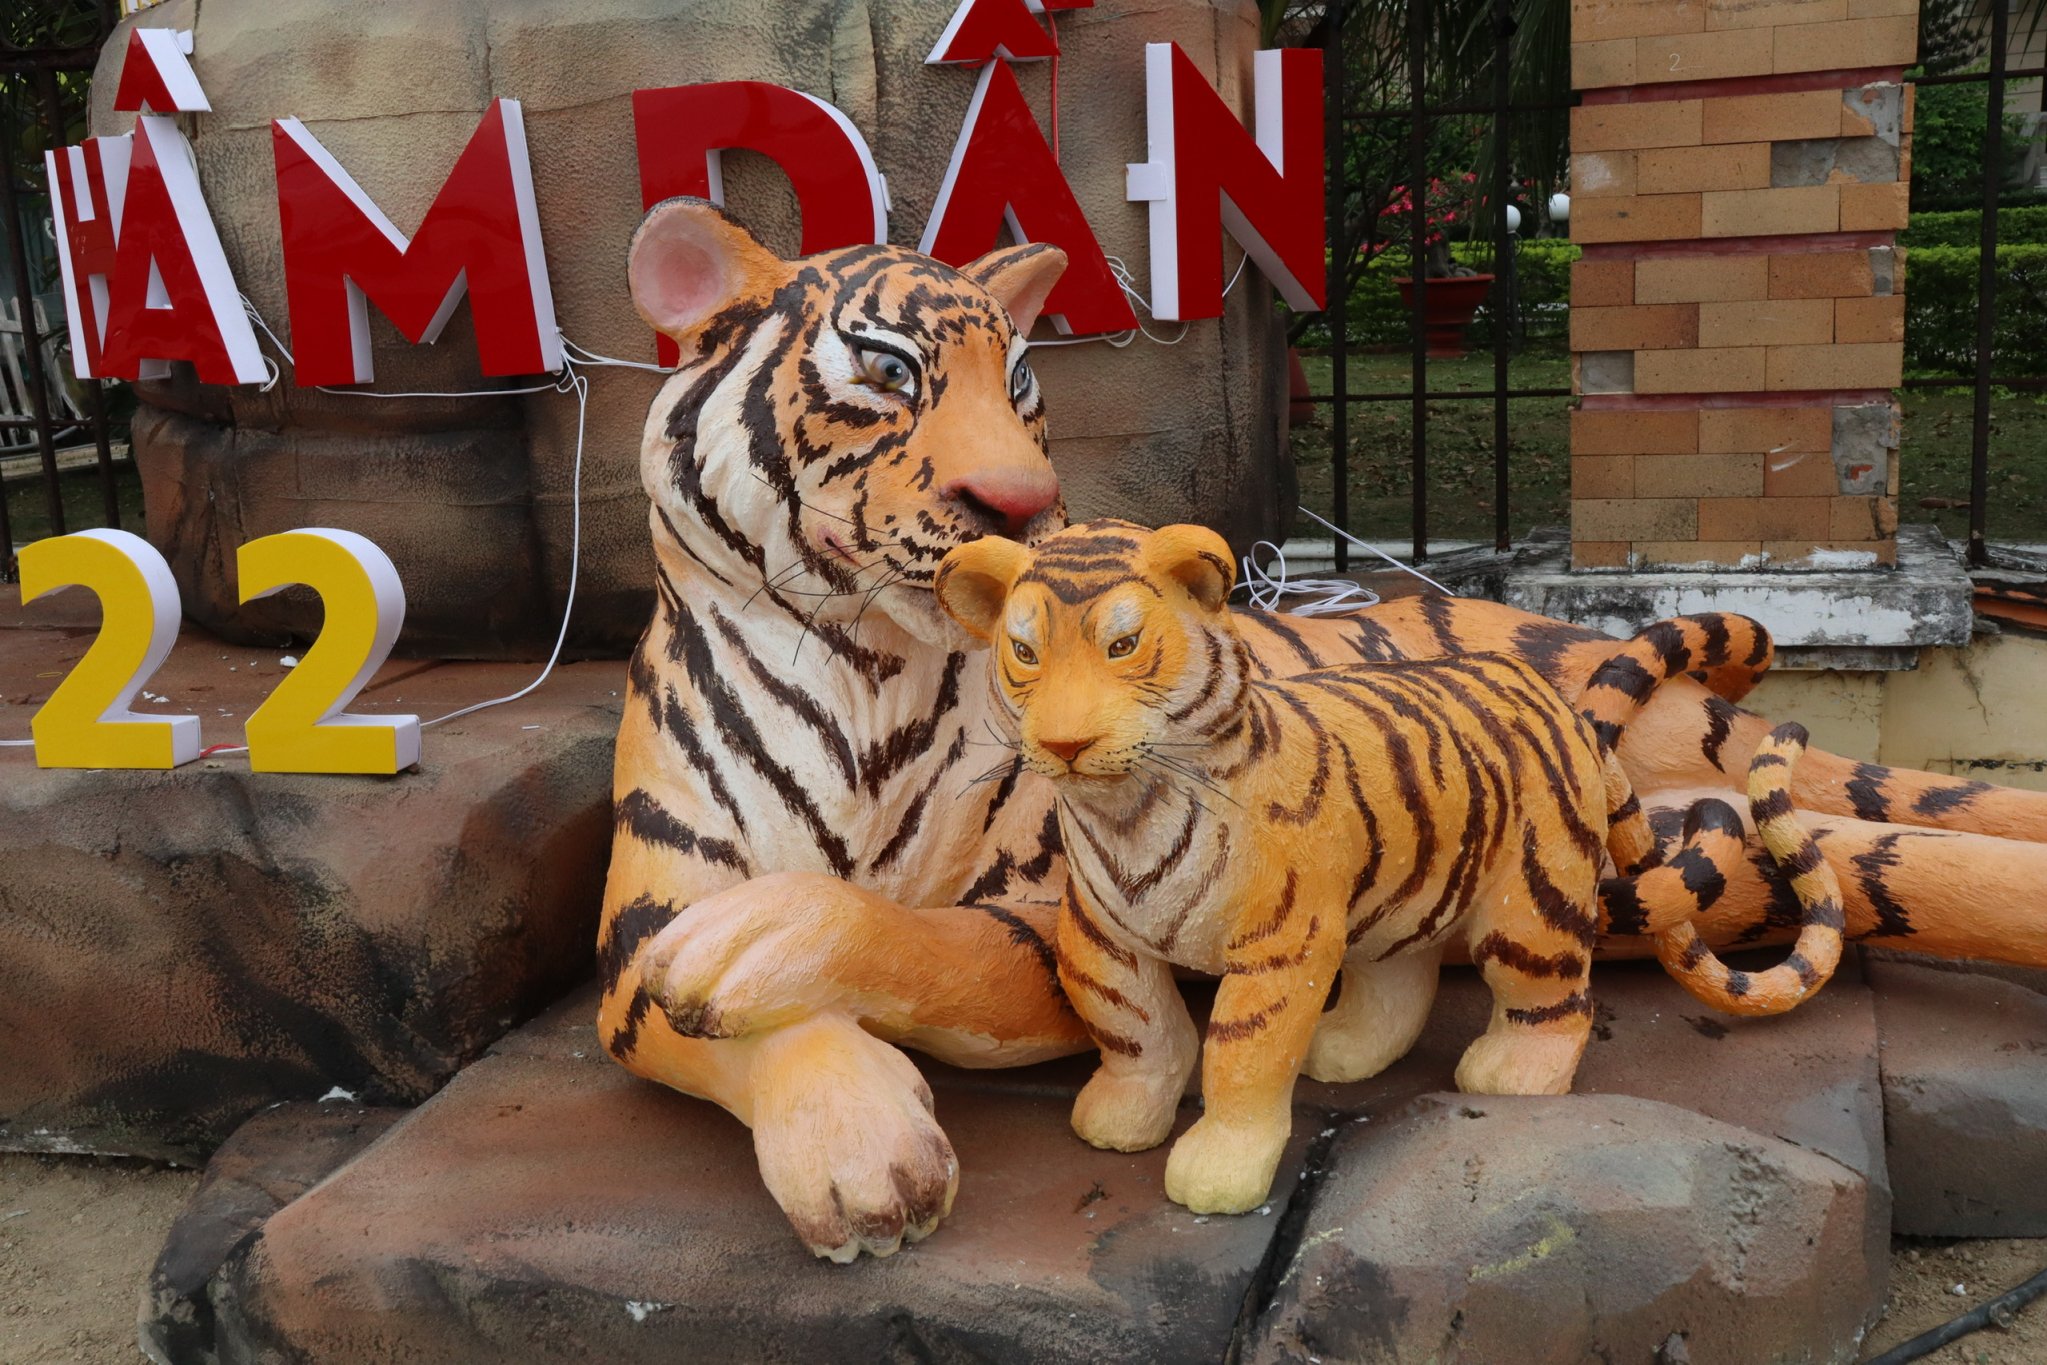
<point x="1513" y="219"/>
<point x="1560" y="207"/>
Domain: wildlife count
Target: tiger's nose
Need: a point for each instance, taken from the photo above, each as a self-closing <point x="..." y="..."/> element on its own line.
<point x="1067" y="749"/>
<point x="1005" y="499"/>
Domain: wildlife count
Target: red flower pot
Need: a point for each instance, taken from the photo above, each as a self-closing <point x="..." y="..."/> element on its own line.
<point x="1448" y="303"/>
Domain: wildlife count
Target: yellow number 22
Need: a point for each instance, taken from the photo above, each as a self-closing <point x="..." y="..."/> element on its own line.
<point x="86" y="722"/>
<point x="302" y="728"/>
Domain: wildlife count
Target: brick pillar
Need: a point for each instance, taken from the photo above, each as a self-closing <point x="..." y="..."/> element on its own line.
<point x="1739" y="171"/>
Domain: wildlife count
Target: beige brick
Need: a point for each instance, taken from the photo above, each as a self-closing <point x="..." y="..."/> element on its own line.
<point x="1640" y="218"/>
<point x="1734" y="166"/>
<point x="1821" y="275"/>
<point x="1602" y="174"/>
<point x="1611" y="61"/>
<point x="1652" y="123"/>
<point x="1727" y="369"/>
<point x="1634" y="431"/>
<point x="1701" y="279"/>
<point x="1862" y="518"/>
<point x="1602" y="476"/>
<point x="1768" y="429"/>
<point x="1686" y="554"/>
<point x="1873" y="319"/>
<point x="1635" y="518"/>
<point x="1704" y="56"/>
<point x="1698" y="476"/>
<point x="1660" y="327"/>
<point x="1882" y="9"/>
<point x="1593" y="20"/>
<point x="1800" y="474"/>
<point x="1770" y="213"/>
<point x="1793" y="553"/>
<point x="1763" y="518"/>
<point x="1911" y="93"/>
<point x="1766" y="118"/>
<point x="1853" y="366"/>
<point x="1767" y="322"/>
<point x="1875" y="208"/>
<point x="1768" y="14"/>
<point x="1848" y="44"/>
<point x="1602" y="284"/>
<point x="1855" y="122"/>
<point x="1600" y="554"/>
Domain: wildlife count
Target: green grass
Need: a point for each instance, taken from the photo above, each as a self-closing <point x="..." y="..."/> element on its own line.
<point x="1934" y="460"/>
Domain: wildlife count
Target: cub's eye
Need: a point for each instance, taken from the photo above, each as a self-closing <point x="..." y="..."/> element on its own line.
<point x="1020" y="380"/>
<point x="1024" y="653"/>
<point x="1120" y="649"/>
<point x="886" y="371"/>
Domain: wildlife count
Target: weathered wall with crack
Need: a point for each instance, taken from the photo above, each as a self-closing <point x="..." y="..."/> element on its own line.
<point x="471" y="496"/>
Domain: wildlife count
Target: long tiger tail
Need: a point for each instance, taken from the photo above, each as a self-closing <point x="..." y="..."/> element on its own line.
<point x="1665" y="902"/>
<point x="1724" y="651"/>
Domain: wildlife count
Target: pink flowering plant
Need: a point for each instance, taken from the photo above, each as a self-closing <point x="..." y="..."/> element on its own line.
<point x="1450" y="206"/>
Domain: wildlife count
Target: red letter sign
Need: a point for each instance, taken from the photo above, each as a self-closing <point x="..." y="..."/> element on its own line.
<point x="1002" y="171"/>
<point x="1270" y="192"/>
<point x="171" y="295"/>
<point x="481" y="236"/>
<point x="87" y="183"/>
<point x="682" y="129"/>
<point x="155" y="75"/>
<point x="983" y="30"/>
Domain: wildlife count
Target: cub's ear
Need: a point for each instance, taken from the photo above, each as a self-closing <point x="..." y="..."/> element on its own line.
<point x="974" y="580"/>
<point x="1020" y="278"/>
<point x="1197" y="559"/>
<point x="689" y="260"/>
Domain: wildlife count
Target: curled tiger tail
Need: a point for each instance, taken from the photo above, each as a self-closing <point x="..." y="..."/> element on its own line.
<point x="1727" y="653"/>
<point x="1629" y="840"/>
<point x="1812" y="959"/>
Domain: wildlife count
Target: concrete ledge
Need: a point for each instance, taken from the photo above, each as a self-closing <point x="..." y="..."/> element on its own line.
<point x="1861" y="619"/>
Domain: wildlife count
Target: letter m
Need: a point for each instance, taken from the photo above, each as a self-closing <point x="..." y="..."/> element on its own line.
<point x="481" y="237"/>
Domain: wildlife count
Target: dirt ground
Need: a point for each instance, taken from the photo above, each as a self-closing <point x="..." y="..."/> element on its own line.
<point x="78" y="1235"/>
<point x="77" y="1238"/>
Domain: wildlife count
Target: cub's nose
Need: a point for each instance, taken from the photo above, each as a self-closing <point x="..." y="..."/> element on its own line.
<point x="1067" y="749"/>
<point x="1005" y="500"/>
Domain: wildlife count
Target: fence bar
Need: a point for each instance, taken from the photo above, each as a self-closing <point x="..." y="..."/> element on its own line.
<point x="32" y="344"/>
<point x="1490" y="107"/>
<point x="1503" y="260"/>
<point x="1986" y="285"/>
<point x="1488" y="395"/>
<point x="95" y="400"/>
<point x="1339" y="284"/>
<point x="1418" y="264"/>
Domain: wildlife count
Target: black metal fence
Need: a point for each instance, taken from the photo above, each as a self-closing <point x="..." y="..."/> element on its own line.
<point x="43" y="86"/>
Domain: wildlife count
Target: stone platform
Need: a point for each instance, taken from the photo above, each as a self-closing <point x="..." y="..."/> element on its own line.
<point x="1720" y="1180"/>
<point x="178" y="950"/>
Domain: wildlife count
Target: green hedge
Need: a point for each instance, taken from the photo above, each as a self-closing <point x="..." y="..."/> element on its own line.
<point x="1542" y="276"/>
<point x="1940" y="309"/>
<point x="2021" y="226"/>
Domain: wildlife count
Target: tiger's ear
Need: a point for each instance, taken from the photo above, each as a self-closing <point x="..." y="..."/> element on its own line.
<point x="688" y="260"/>
<point x="1197" y="559"/>
<point x="974" y="580"/>
<point x="1020" y="278"/>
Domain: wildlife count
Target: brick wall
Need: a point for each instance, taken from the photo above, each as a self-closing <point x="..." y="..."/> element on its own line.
<point x="1739" y="170"/>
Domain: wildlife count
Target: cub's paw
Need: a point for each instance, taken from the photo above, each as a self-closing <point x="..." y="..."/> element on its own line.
<point x="1517" y="1063"/>
<point x="844" y="1131"/>
<point x="1218" y="1169"/>
<point x="1126" y="1113"/>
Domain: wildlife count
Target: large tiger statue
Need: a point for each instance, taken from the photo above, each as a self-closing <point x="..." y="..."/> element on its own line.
<point x="820" y="852"/>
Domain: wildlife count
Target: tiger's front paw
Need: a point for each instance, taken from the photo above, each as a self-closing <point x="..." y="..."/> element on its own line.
<point x="846" y="1137"/>
<point x="1126" y="1113"/>
<point x="1218" y="1168"/>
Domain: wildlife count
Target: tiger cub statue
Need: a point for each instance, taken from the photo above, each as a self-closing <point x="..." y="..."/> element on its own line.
<point x="1362" y="818"/>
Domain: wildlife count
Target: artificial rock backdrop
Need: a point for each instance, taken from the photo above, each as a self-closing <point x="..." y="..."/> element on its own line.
<point x="471" y="496"/>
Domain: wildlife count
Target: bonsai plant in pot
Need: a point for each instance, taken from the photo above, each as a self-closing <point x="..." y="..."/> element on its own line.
<point x="1452" y="292"/>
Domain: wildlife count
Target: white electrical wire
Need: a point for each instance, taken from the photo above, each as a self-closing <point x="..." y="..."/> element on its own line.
<point x="1126" y="282"/>
<point x="1267" y="590"/>
<point x="1404" y="568"/>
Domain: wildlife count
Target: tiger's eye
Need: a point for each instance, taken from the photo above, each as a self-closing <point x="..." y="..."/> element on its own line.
<point x="887" y="371"/>
<point x="1024" y="653"/>
<point x="1121" y="649"/>
<point x="1019" y="380"/>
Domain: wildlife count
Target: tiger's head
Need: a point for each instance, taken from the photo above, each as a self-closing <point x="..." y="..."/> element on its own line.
<point x="840" y="422"/>
<point x="1111" y="642"/>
